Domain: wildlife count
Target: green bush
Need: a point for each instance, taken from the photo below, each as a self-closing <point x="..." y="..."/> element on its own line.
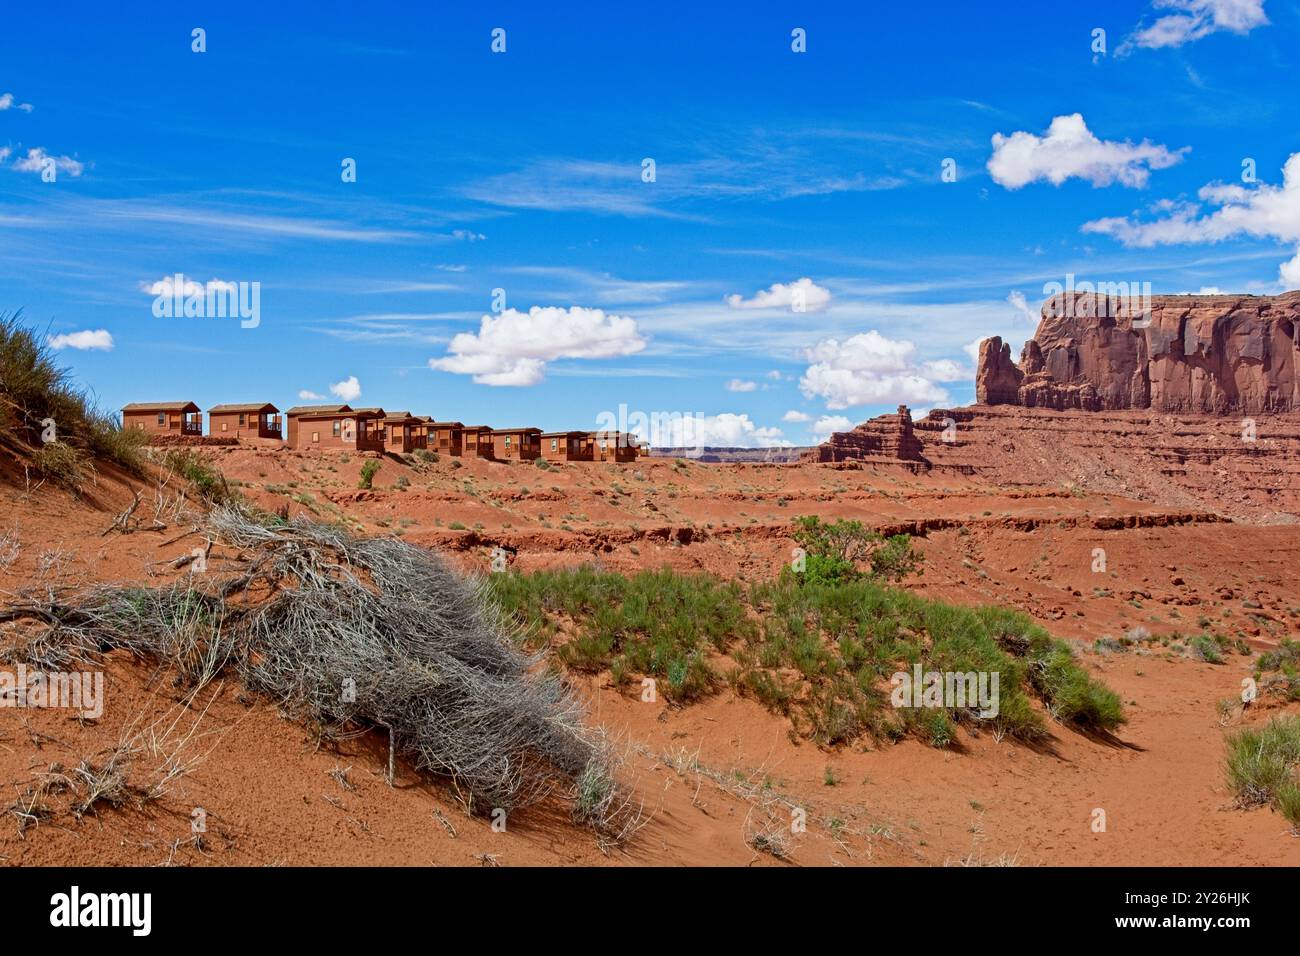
<point x="368" y="470"/>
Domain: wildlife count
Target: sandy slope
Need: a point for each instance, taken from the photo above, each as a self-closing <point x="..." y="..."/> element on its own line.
<point x="711" y="774"/>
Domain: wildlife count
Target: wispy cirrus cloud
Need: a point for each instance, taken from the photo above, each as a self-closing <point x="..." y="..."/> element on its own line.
<point x="680" y="190"/>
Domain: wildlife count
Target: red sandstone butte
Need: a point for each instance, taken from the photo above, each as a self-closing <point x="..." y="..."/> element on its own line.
<point x="886" y="436"/>
<point x="1201" y="354"/>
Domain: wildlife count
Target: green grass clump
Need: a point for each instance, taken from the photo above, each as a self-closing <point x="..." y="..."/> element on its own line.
<point x="657" y="623"/>
<point x="35" y="391"/>
<point x="1262" y="764"/>
<point x="368" y="472"/>
<point x="821" y="653"/>
<point x="202" y="475"/>
<point x="1207" y="649"/>
<point x="1278" y="671"/>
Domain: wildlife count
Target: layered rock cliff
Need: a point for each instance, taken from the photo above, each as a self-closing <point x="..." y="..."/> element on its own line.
<point x="1220" y="354"/>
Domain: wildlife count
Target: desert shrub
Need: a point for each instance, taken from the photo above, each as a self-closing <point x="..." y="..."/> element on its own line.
<point x="425" y="455"/>
<point x="1205" y="648"/>
<point x="1262" y="762"/>
<point x="202" y="475"/>
<point x="62" y="463"/>
<point x="542" y="463"/>
<point x="1278" y="671"/>
<point x="368" y="471"/>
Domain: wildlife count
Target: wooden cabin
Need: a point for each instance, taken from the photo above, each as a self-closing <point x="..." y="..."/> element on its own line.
<point x="336" y="426"/>
<point x="613" y="446"/>
<point x="401" y="430"/>
<point x="446" y="438"/>
<point x="476" y="441"/>
<point x="567" y="446"/>
<point x="244" y="421"/>
<point x="163" y="418"/>
<point x="423" y="431"/>
<point x="516" y="444"/>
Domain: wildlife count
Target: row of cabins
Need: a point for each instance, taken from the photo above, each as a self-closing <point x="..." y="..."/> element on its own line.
<point x="374" y="429"/>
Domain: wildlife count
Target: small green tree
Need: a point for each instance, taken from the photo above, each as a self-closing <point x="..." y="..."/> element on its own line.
<point x="834" y="550"/>
<point x="368" y="471"/>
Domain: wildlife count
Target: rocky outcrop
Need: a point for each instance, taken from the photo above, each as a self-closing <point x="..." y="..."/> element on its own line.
<point x="997" y="382"/>
<point x="1220" y="354"/>
<point x="886" y="438"/>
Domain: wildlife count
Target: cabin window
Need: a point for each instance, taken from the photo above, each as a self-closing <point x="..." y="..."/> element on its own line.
<point x="223" y="426"/>
<point x="507" y="441"/>
<point x="315" y="436"/>
<point x="338" y="430"/>
<point x="555" y="444"/>
<point x="241" y="420"/>
<point x="162" y="419"/>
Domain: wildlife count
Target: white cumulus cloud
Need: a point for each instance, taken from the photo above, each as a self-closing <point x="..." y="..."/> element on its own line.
<point x="308" y="395"/>
<point x="725" y="430"/>
<point x="822" y="428"/>
<point x="1225" y="211"/>
<point x="1194" y="19"/>
<point x="97" y="339"/>
<point x="796" y="416"/>
<point x="1070" y="150"/>
<point x="168" y="285"/>
<point x="870" y="369"/>
<point x="802" y="295"/>
<point x="740" y="385"/>
<point x="37" y="158"/>
<point x="512" y="348"/>
<point x="348" y="390"/>
<point x="7" y="102"/>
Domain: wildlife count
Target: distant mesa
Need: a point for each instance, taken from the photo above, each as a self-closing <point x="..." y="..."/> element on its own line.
<point x="1186" y="354"/>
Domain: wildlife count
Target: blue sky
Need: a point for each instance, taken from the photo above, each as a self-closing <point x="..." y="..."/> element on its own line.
<point x="775" y="170"/>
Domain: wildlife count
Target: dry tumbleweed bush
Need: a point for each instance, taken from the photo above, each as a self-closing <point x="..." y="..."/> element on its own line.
<point x="354" y="634"/>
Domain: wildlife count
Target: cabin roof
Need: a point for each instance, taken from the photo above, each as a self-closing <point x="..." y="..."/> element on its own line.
<point x="161" y="407"/>
<point x="251" y="407"/>
<point x="319" y="410"/>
